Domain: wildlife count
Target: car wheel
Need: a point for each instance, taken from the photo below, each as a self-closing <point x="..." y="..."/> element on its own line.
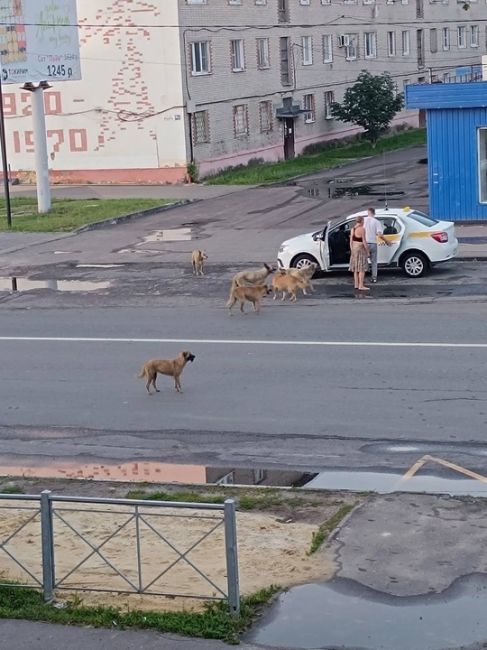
<point x="414" y="264"/>
<point x="303" y="261"/>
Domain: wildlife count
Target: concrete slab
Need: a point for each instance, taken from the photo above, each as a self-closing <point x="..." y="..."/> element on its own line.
<point x="411" y="544"/>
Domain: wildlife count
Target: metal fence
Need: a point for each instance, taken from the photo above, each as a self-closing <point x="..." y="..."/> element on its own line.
<point x="146" y="528"/>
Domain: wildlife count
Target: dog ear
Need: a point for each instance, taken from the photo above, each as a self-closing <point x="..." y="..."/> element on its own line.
<point x="269" y="268"/>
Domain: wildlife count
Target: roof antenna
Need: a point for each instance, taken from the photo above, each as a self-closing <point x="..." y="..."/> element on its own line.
<point x="386" y="206"/>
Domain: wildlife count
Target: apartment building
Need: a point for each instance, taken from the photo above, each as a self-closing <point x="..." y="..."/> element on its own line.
<point x="221" y="82"/>
<point x="261" y="82"/>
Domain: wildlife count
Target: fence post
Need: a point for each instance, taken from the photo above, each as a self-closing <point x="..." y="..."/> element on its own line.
<point x="47" y="546"/>
<point x="232" y="557"/>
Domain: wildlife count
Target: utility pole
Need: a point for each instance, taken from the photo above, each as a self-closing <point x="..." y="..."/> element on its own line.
<point x="3" y="147"/>
<point x="40" y="144"/>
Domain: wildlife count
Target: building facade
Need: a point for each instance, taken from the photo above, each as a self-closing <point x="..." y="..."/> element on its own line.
<point x="222" y="82"/>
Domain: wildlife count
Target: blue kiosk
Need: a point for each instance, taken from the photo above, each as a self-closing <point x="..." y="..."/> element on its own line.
<point x="456" y="119"/>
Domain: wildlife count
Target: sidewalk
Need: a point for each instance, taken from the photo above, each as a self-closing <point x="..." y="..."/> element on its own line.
<point x="25" y="635"/>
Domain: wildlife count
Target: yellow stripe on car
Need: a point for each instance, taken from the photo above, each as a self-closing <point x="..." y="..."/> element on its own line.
<point x="422" y="234"/>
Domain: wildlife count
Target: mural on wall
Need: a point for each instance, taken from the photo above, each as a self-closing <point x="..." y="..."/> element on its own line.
<point x="129" y="100"/>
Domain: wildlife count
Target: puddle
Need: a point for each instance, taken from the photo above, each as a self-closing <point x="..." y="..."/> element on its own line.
<point x="26" y="284"/>
<point x="154" y="472"/>
<point x="361" y="190"/>
<point x="384" y="483"/>
<point x="344" y="614"/>
<point x="175" y="234"/>
<point x="98" y="266"/>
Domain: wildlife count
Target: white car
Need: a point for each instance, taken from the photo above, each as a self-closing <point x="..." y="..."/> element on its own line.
<point x="416" y="243"/>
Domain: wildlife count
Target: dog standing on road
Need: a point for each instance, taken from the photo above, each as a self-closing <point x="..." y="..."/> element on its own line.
<point x="305" y="274"/>
<point x="251" y="276"/>
<point x="170" y="367"/>
<point x="288" y="284"/>
<point x="250" y="294"/>
<point x="198" y="261"/>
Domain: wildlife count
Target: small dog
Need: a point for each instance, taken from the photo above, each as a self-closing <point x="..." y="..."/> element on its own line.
<point x="251" y="276"/>
<point x="198" y="261"/>
<point x="288" y="284"/>
<point x="305" y="274"/>
<point x="251" y="294"/>
<point x="170" y="367"/>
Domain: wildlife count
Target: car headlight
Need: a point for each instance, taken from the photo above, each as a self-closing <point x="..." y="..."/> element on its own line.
<point x="283" y="247"/>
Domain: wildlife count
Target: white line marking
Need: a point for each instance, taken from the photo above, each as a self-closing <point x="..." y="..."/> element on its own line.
<point x="356" y="344"/>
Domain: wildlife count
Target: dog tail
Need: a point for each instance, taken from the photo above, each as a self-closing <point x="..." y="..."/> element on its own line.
<point x="142" y="373"/>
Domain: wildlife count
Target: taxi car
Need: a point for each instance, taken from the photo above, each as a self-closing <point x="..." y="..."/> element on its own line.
<point x="417" y="242"/>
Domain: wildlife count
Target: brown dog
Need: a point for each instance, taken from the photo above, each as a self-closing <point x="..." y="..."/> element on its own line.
<point x="198" y="261"/>
<point x="250" y="294"/>
<point x="171" y="367"/>
<point x="288" y="284"/>
<point x="305" y="274"/>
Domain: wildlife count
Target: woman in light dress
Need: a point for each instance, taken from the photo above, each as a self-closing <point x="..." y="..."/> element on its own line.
<point x="359" y="254"/>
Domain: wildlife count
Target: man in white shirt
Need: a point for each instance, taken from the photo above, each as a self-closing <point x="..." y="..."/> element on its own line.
<point x="373" y="230"/>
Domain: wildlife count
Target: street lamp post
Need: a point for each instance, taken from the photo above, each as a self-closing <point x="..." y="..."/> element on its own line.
<point x="3" y="147"/>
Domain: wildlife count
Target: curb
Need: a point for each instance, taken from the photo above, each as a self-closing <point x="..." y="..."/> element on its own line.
<point x="473" y="258"/>
<point x="125" y="218"/>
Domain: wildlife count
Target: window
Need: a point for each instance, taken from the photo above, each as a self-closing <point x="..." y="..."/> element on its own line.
<point x="260" y="2"/>
<point x="434" y="40"/>
<point x="370" y="45"/>
<point x="391" y="43"/>
<point x="263" y="59"/>
<point x="350" y="47"/>
<point x="326" y="2"/>
<point x="327" y="48"/>
<point x="422" y="218"/>
<point x="307" y="47"/>
<point x="283" y="11"/>
<point x="445" y="38"/>
<point x="200" y="57"/>
<point x="482" y="165"/>
<point x="265" y="116"/>
<point x="237" y="55"/>
<point x="201" y="127"/>
<point x="474" y="35"/>
<point x="234" y="2"/>
<point x="284" y="59"/>
<point x="405" y="82"/>
<point x="405" y="43"/>
<point x="196" y="2"/>
<point x="329" y="99"/>
<point x="461" y="37"/>
<point x="309" y="107"/>
<point x="240" y="120"/>
<point x="304" y="2"/>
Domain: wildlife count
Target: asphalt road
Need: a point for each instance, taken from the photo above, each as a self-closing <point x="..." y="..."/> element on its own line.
<point x="256" y="380"/>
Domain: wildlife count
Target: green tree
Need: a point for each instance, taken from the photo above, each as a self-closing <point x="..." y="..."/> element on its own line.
<point x="371" y="103"/>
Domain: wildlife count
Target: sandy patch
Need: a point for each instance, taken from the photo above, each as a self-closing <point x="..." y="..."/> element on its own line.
<point x="270" y="552"/>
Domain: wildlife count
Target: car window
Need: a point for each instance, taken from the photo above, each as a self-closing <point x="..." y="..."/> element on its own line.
<point x="422" y="218"/>
<point x="389" y="225"/>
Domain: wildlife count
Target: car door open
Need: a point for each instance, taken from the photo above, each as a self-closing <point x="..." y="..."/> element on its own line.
<point x="393" y="231"/>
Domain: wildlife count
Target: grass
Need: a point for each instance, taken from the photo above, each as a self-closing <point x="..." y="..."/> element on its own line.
<point x="262" y="173"/>
<point x="325" y="529"/>
<point x="68" y="214"/>
<point x="214" y="622"/>
<point x="11" y="489"/>
<point x="264" y="499"/>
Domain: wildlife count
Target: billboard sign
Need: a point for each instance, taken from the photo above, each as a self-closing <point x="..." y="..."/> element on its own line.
<point x="39" y="41"/>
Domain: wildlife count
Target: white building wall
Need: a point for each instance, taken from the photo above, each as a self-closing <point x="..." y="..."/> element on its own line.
<point x="124" y="120"/>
